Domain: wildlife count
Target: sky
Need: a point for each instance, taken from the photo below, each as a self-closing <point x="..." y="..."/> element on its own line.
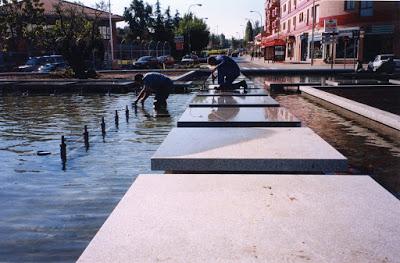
<point x="224" y="16"/>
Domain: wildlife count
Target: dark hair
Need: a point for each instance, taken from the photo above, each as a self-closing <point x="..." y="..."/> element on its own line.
<point x="139" y="77"/>
<point x="212" y="61"/>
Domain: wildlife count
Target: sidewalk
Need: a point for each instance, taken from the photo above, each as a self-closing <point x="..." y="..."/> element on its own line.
<point x="259" y="62"/>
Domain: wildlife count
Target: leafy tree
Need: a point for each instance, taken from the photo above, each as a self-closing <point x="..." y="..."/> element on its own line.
<point x="249" y="34"/>
<point x="158" y="27"/>
<point x="21" y="23"/>
<point x="169" y="26"/>
<point x="76" y="36"/>
<point x="194" y="30"/>
<point x="257" y="28"/>
<point x="138" y="17"/>
<point x="177" y="19"/>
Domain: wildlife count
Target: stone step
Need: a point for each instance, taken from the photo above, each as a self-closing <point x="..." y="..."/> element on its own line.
<point x="238" y="117"/>
<point x="247" y="150"/>
<point x="233" y="101"/>
<point x="250" y="218"/>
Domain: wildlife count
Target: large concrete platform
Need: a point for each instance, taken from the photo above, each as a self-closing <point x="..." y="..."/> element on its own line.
<point x="238" y="117"/>
<point x="247" y="150"/>
<point x="239" y="92"/>
<point x="250" y="218"/>
<point x="233" y="101"/>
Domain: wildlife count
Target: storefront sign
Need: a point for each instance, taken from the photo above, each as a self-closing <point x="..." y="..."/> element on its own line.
<point x="330" y="25"/>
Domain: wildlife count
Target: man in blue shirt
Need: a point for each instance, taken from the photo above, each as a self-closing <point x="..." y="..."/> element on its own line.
<point x="228" y="71"/>
<point x="158" y="84"/>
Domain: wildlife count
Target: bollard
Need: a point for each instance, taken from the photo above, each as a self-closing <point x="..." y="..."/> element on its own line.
<point x="127" y="113"/>
<point x="63" y="150"/>
<point x="86" y="137"/>
<point x="103" y="127"/>
<point x="116" y="119"/>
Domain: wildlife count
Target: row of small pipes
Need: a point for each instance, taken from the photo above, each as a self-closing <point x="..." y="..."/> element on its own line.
<point x="63" y="145"/>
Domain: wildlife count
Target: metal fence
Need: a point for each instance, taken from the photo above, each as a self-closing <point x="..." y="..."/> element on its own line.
<point x="137" y="50"/>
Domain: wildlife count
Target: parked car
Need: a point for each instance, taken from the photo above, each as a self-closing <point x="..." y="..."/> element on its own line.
<point x="32" y="64"/>
<point x="51" y="67"/>
<point x="190" y="59"/>
<point x="35" y="63"/>
<point x="380" y="59"/>
<point x="167" y="60"/>
<point x="146" y="62"/>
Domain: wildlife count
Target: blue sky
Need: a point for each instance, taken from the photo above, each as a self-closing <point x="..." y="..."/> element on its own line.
<point x="228" y="15"/>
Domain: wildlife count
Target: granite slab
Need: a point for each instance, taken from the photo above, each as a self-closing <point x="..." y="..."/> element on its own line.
<point x="238" y="117"/>
<point x="250" y="218"/>
<point x="247" y="150"/>
<point x="240" y="92"/>
<point x="233" y="101"/>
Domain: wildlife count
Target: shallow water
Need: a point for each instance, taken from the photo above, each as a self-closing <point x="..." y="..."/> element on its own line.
<point x="48" y="214"/>
<point x="368" y="152"/>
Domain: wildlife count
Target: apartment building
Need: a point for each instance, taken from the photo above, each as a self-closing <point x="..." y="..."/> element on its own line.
<point x="363" y="29"/>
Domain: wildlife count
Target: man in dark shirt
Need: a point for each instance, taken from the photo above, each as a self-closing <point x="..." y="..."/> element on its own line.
<point x="228" y="71"/>
<point x="156" y="83"/>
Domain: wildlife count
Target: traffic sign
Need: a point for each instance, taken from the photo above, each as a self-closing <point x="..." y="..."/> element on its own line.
<point x="330" y="25"/>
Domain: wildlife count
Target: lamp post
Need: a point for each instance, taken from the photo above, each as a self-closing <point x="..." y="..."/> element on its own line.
<point x="111" y="32"/>
<point x="312" y="33"/>
<point x="190" y="44"/>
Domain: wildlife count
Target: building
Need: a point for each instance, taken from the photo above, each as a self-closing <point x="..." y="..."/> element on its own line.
<point x="361" y="29"/>
<point x="51" y="17"/>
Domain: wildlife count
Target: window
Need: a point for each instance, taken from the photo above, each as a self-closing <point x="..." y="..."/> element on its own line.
<point x="288" y="25"/>
<point x="366" y="8"/>
<point x="349" y="5"/>
<point x="284" y="8"/>
<point x="316" y="12"/>
<point x="284" y="26"/>
<point x="294" y="4"/>
<point x="301" y="17"/>
<point x="290" y="6"/>
<point x="294" y="23"/>
<point x="105" y="32"/>
<point x="308" y="16"/>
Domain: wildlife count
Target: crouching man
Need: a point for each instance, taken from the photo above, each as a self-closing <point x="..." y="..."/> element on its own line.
<point x="154" y="83"/>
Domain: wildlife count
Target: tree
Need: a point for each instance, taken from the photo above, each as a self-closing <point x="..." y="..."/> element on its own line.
<point x="138" y="17"/>
<point x="21" y="24"/>
<point x="194" y="30"/>
<point x="177" y="19"/>
<point x="257" y="28"/>
<point x="77" y="37"/>
<point x="249" y="34"/>
<point x="158" y="27"/>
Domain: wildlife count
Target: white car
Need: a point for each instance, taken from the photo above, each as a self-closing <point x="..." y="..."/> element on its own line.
<point x="380" y="59"/>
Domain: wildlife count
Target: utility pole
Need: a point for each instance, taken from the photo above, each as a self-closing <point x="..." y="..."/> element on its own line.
<point x="111" y="32"/>
<point x="312" y="32"/>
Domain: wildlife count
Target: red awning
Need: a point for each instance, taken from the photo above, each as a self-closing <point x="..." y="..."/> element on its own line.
<point x="272" y="43"/>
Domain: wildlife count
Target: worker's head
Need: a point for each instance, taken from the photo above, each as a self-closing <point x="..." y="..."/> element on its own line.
<point x="212" y="61"/>
<point x="139" y="78"/>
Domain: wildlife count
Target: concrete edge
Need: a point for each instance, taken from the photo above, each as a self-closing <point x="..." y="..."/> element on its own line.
<point x="383" y="117"/>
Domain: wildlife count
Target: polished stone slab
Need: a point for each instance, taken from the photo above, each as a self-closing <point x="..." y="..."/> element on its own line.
<point x="238" y="117"/>
<point x="395" y="81"/>
<point x="233" y="101"/>
<point x="247" y="150"/>
<point x="250" y="218"/>
<point x="240" y="92"/>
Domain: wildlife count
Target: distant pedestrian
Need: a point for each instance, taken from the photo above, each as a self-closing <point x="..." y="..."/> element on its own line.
<point x="228" y="71"/>
<point x="252" y="55"/>
<point x="157" y="84"/>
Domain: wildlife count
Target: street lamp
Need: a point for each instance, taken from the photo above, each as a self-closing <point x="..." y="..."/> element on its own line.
<point x="190" y="44"/>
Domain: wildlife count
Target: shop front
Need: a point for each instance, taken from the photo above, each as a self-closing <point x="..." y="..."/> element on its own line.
<point x="274" y="50"/>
